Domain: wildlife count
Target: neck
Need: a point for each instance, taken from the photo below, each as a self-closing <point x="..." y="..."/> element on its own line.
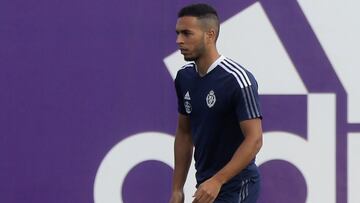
<point x="204" y="62"/>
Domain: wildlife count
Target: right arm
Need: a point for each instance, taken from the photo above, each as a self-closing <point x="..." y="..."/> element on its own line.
<point x="183" y="148"/>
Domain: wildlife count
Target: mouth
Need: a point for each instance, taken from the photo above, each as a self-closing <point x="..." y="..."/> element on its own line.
<point x="183" y="51"/>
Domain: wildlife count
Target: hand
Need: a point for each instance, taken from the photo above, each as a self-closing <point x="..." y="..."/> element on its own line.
<point x="207" y="191"/>
<point x="177" y="197"/>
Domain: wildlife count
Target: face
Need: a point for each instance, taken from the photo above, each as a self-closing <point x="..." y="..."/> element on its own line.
<point x="190" y="38"/>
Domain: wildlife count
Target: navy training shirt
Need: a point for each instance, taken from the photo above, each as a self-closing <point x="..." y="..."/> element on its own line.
<point x="216" y="104"/>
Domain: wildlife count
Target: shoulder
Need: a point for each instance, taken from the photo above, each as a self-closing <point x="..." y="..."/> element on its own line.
<point x="240" y="75"/>
<point x="185" y="71"/>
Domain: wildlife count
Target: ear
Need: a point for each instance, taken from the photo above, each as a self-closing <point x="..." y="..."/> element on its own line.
<point x="211" y="34"/>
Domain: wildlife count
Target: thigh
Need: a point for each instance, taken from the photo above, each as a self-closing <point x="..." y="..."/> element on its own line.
<point x="249" y="191"/>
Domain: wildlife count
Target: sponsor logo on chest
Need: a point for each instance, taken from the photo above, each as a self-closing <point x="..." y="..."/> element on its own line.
<point x="210" y="101"/>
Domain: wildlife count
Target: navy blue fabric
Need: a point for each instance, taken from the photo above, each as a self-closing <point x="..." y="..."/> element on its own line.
<point x="216" y="103"/>
<point x="246" y="192"/>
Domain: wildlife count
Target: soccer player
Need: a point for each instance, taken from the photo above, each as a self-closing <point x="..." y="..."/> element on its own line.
<point x="219" y="115"/>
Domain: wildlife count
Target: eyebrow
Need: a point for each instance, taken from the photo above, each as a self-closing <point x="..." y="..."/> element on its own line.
<point x="182" y="31"/>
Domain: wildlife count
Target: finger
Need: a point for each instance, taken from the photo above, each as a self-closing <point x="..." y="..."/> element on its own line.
<point x="195" y="200"/>
<point x="194" y="195"/>
<point x="209" y="199"/>
<point x="205" y="197"/>
<point x="199" y="195"/>
<point x="212" y="200"/>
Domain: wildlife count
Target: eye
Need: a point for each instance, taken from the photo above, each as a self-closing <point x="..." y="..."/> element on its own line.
<point x="187" y="33"/>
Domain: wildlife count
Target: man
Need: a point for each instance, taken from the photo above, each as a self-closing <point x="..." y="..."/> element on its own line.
<point x="219" y="114"/>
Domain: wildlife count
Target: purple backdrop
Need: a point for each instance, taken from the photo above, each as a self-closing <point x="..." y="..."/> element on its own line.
<point x="77" y="77"/>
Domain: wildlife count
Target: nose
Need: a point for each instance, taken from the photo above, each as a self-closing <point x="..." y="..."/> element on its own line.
<point x="179" y="39"/>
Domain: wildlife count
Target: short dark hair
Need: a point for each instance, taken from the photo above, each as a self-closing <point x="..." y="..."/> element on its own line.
<point x="197" y="10"/>
<point x="202" y="12"/>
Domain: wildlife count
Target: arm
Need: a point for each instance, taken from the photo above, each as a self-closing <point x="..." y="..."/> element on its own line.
<point x="183" y="148"/>
<point x="208" y="191"/>
<point x="246" y="151"/>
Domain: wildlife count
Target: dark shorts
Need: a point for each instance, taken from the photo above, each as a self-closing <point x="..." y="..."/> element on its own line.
<point x="247" y="192"/>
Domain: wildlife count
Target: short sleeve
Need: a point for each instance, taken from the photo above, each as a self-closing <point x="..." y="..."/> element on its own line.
<point x="180" y="96"/>
<point x="247" y="102"/>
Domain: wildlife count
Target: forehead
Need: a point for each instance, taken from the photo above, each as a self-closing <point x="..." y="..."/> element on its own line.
<point x="187" y="23"/>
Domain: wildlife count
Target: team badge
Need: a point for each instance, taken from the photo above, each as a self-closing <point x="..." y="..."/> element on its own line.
<point x="211" y="99"/>
<point x="187" y="104"/>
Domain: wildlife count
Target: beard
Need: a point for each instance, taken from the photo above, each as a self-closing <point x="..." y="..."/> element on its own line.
<point x="197" y="53"/>
<point x="191" y="58"/>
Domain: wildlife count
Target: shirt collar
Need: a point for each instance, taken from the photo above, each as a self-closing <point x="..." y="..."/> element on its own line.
<point x="213" y="65"/>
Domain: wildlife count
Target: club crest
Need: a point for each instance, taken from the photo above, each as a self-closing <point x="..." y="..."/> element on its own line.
<point x="211" y="99"/>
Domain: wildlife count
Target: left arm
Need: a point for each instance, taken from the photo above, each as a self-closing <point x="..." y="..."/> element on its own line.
<point x="252" y="130"/>
<point x="246" y="151"/>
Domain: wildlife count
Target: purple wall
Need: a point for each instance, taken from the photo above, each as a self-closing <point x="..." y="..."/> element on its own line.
<point x="77" y="77"/>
